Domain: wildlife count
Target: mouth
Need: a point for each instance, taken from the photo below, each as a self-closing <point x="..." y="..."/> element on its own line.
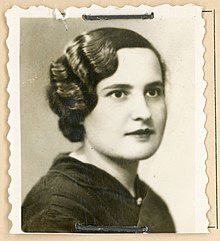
<point x="141" y="132"/>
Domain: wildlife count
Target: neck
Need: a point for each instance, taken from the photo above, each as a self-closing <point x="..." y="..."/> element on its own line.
<point x="123" y="170"/>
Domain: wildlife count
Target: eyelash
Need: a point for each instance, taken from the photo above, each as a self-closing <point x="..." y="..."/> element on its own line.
<point x="114" y="92"/>
<point x="123" y="93"/>
<point x="158" y="91"/>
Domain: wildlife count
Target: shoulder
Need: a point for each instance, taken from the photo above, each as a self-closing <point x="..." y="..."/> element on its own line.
<point x="155" y="214"/>
<point x="63" y="177"/>
<point x="55" y="203"/>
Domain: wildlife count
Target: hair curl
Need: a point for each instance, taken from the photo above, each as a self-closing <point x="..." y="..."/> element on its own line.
<point x="90" y="58"/>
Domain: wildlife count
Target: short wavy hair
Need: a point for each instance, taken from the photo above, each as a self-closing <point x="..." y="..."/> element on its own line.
<point x="87" y="60"/>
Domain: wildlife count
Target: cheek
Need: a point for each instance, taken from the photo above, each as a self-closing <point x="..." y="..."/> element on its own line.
<point x="159" y="114"/>
<point x="98" y="120"/>
<point x="106" y="115"/>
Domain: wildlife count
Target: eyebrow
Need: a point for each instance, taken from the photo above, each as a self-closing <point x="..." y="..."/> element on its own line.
<point x="118" y="86"/>
<point x="129" y="87"/>
<point x="156" y="83"/>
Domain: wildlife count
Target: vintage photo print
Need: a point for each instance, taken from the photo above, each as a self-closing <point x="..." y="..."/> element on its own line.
<point x="106" y="120"/>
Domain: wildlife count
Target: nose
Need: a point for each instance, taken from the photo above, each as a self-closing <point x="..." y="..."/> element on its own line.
<point x="140" y="109"/>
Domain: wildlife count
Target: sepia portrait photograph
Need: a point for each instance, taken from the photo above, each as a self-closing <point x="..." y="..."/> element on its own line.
<point x="109" y="121"/>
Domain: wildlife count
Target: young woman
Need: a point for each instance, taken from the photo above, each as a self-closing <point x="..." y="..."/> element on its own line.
<point x="108" y="90"/>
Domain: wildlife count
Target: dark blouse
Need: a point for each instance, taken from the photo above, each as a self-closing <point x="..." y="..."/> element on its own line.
<point x="74" y="192"/>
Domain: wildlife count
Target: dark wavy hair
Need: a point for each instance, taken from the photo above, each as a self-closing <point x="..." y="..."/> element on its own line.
<point x="87" y="60"/>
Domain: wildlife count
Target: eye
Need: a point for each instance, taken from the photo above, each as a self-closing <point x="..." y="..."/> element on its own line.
<point x="154" y="92"/>
<point x="117" y="94"/>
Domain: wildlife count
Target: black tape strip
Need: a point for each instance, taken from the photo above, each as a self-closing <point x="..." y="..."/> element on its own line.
<point x="80" y="228"/>
<point x="111" y="17"/>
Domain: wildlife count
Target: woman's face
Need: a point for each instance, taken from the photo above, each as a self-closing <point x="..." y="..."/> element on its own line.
<point x="129" y="119"/>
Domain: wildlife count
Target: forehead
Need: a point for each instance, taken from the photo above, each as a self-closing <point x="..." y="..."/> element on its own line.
<point x="135" y="66"/>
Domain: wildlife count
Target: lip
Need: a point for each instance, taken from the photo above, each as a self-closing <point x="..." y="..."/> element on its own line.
<point x="141" y="132"/>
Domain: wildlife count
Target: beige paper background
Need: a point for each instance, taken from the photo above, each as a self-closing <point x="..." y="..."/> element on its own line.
<point x="4" y="145"/>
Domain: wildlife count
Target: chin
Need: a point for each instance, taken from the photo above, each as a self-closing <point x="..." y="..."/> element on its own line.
<point x="138" y="156"/>
<point x="139" y="150"/>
